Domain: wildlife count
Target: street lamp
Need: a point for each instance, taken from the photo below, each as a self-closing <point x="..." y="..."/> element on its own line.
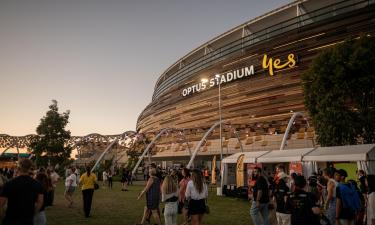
<point x="217" y="76"/>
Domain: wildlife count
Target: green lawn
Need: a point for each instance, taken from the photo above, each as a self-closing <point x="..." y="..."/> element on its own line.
<point x="114" y="207"/>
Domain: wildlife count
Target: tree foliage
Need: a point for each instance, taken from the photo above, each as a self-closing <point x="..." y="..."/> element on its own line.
<point x="51" y="147"/>
<point x="339" y="90"/>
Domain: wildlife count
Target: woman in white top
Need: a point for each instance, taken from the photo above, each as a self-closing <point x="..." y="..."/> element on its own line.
<point x="169" y="195"/>
<point x="196" y="194"/>
<point x="370" y="181"/>
<point x="70" y="186"/>
<point x="330" y="203"/>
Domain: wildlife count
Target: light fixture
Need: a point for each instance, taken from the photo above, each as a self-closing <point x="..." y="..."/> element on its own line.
<point x="204" y="80"/>
<point x="217" y="75"/>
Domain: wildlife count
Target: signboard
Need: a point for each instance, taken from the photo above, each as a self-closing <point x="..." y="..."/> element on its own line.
<point x="268" y="63"/>
<point x="295" y="167"/>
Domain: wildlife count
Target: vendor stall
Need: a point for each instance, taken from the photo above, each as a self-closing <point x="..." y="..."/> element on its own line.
<point x="362" y="155"/>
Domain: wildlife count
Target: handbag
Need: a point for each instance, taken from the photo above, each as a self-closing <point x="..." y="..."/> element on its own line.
<point x="96" y="186"/>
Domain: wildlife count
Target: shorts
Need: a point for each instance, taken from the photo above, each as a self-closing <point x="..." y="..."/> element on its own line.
<point x="70" y="190"/>
<point x="197" y="207"/>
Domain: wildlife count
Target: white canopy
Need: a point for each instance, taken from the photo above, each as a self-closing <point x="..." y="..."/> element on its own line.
<point x="342" y="153"/>
<point x="250" y="157"/>
<point x="292" y="155"/>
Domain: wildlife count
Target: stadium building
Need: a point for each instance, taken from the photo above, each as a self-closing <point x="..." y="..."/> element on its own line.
<point x="249" y="77"/>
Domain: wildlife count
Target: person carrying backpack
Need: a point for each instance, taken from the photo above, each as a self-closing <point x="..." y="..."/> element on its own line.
<point x="347" y="200"/>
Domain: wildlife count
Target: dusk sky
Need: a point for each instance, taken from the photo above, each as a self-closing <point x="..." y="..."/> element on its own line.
<point x="100" y="59"/>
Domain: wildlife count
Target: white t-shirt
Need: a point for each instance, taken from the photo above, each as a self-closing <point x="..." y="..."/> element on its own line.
<point x="370" y="208"/>
<point x="105" y="176"/>
<point x="192" y="192"/>
<point x="73" y="179"/>
<point x="54" y="179"/>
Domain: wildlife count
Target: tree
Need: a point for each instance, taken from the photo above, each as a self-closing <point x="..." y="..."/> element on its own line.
<point x="51" y="147"/>
<point x="339" y="89"/>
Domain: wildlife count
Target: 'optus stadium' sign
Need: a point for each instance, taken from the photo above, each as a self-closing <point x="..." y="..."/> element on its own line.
<point x="268" y="63"/>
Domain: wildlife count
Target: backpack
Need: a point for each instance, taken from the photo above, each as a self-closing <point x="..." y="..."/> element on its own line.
<point x="349" y="197"/>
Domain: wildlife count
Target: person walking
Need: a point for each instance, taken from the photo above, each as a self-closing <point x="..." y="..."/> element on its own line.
<point x="105" y="178"/>
<point x="110" y="181"/>
<point x="152" y="191"/>
<point x="302" y="204"/>
<point x="54" y="180"/>
<point x="183" y="203"/>
<point x="124" y="180"/>
<point x="70" y="186"/>
<point x="330" y="202"/>
<point x="347" y="200"/>
<point x="370" y="183"/>
<point x="23" y="196"/>
<point x="196" y="193"/>
<point x="280" y="193"/>
<point x="87" y="181"/>
<point x="41" y="177"/>
<point x="259" y="206"/>
<point x="169" y="195"/>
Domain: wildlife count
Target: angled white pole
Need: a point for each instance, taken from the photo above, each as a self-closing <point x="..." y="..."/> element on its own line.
<point x="290" y="124"/>
<point x="147" y="149"/>
<point x="200" y="143"/>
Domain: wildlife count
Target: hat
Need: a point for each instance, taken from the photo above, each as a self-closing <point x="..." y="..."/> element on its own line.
<point x="342" y="173"/>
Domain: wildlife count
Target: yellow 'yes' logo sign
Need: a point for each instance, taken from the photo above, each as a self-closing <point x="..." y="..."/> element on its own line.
<point x="270" y="64"/>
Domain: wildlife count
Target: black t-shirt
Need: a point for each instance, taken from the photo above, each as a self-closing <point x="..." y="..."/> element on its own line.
<point x="22" y="193"/>
<point x="261" y="184"/>
<point x="300" y="204"/>
<point x="280" y="191"/>
<point x="345" y="213"/>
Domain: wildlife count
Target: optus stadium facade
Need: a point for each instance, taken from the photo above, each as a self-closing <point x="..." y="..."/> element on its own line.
<point x="249" y="77"/>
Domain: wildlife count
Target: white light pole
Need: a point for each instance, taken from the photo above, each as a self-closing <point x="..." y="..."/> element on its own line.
<point x="217" y="76"/>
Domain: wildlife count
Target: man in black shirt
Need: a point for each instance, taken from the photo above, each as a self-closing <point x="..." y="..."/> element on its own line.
<point x="302" y="205"/>
<point x="280" y="193"/>
<point x="23" y="195"/>
<point x="259" y="205"/>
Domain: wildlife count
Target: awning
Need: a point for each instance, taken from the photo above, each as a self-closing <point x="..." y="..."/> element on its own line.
<point x="342" y="153"/>
<point x="250" y="157"/>
<point x="276" y="156"/>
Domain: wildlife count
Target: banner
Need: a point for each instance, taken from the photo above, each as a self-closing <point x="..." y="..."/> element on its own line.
<point x="240" y="171"/>
<point x="295" y="167"/>
<point x="213" y="172"/>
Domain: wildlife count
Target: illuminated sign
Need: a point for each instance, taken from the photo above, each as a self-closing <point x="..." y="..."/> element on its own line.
<point x="268" y="63"/>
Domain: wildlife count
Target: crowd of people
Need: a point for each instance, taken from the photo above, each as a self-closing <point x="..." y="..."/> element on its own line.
<point x="323" y="198"/>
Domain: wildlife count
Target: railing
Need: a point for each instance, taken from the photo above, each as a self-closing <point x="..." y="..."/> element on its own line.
<point x="248" y="41"/>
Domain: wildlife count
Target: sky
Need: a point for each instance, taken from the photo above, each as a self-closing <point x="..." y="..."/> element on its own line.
<point x="100" y="59"/>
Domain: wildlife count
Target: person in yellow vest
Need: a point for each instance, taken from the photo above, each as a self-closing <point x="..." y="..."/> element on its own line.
<point x="87" y="181"/>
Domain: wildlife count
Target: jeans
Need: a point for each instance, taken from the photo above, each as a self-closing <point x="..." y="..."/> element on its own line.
<point x="40" y="218"/>
<point x="170" y="213"/>
<point x="331" y="211"/>
<point x="283" y="219"/>
<point x="259" y="215"/>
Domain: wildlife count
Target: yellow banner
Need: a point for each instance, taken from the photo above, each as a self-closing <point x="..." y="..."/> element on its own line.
<point x="240" y="171"/>
<point x="213" y="172"/>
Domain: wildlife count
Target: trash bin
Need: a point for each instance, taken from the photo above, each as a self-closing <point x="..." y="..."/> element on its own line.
<point x="219" y="191"/>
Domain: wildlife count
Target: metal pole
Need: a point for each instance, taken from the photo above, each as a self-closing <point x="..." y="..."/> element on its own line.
<point x="220" y="119"/>
<point x="221" y="138"/>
